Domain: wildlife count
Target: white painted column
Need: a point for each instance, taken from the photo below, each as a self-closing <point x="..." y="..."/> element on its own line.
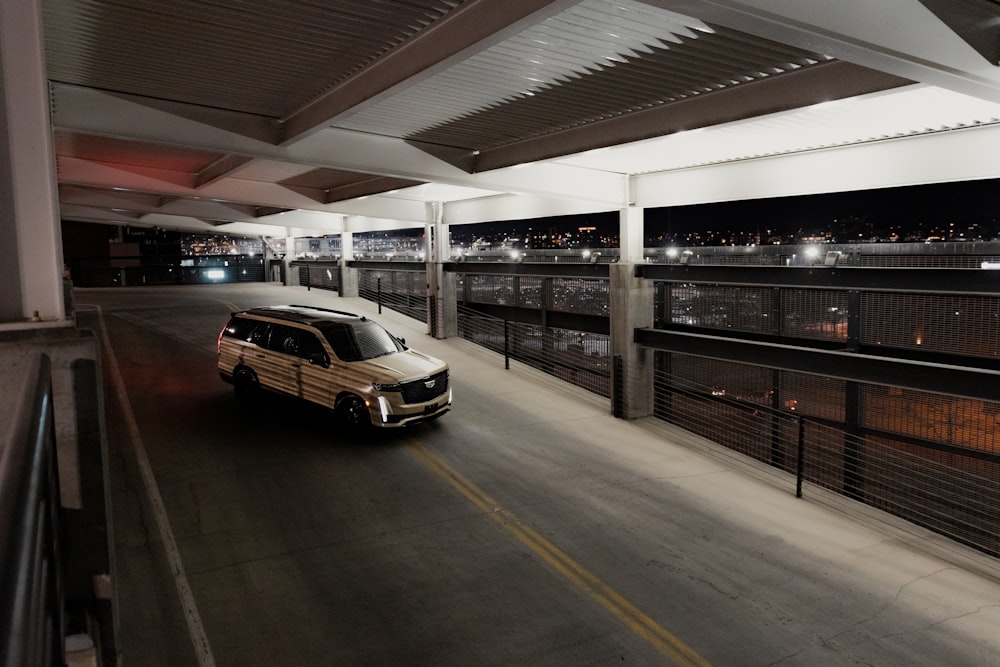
<point x="631" y="307"/>
<point x="346" y="247"/>
<point x="31" y="263"/>
<point x="431" y="266"/>
<point x="291" y="277"/>
<point x="631" y="234"/>
<point x="348" y="276"/>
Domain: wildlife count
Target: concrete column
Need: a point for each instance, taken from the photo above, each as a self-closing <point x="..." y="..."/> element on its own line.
<point x="631" y="234"/>
<point x="631" y="308"/>
<point x="31" y="264"/>
<point x="440" y="285"/>
<point x="348" y="276"/>
<point x="291" y="276"/>
<point x="346" y="247"/>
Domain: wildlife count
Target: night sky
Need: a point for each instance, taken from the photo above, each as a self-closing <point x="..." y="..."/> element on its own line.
<point x="966" y="202"/>
<point x="909" y="208"/>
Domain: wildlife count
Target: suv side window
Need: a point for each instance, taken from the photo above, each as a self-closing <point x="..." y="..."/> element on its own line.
<point x="251" y="331"/>
<point x="283" y="339"/>
<point x="309" y="345"/>
<point x="258" y="333"/>
<point x="294" y="341"/>
<point x="237" y="328"/>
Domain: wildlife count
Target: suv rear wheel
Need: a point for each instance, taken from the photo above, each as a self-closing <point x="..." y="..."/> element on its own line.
<point x="247" y="387"/>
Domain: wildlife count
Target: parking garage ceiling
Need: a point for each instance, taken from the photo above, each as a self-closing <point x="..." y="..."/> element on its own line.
<point x="318" y="117"/>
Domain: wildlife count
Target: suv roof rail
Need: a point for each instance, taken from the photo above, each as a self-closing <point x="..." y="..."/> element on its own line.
<point x="325" y="310"/>
<point x="296" y="312"/>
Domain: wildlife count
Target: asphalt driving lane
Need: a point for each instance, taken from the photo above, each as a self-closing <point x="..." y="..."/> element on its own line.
<point x="304" y="546"/>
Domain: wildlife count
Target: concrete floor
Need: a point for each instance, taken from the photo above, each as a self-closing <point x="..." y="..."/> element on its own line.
<point x="526" y="527"/>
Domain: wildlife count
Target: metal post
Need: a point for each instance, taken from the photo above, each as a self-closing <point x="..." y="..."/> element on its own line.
<point x="618" y="387"/>
<point x="853" y="451"/>
<point x="378" y="293"/>
<point x="506" y="344"/>
<point x="777" y="448"/>
<point x="800" y="464"/>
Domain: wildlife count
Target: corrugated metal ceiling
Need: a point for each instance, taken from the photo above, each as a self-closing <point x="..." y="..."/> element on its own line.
<point x="265" y="58"/>
<point x="593" y="61"/>
<point x="533" y="81"/>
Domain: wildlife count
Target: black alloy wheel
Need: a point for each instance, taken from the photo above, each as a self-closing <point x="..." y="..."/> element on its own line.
<point x="353" y="413"/>
<point x="247" y="387"/>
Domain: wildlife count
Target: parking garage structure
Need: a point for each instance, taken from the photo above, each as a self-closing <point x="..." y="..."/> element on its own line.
<point x="869" y="370"/>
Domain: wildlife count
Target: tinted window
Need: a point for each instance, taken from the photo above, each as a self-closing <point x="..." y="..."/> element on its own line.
<point x="360" y="340"/>
<point x="309" y="344"/>
<point x="373" y="340"/>
<point x="237" y="328"/>
<point x="259" y="333"/>
<point x="251" y="331"/>
<point x="294" y="341"/>
<point x="282" y="339"/>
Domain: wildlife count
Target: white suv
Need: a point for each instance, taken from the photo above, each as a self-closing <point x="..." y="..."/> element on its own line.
<point x="339" y="360"/>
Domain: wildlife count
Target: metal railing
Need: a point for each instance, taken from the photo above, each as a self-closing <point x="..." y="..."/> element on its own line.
<point x="321" y="275"/>
<point x="580" y="358"/>
<point x="31" y="580"/>
<point x="922" y="450"/>
<point x="402" y="291"/>
<point x="917" y="482"/>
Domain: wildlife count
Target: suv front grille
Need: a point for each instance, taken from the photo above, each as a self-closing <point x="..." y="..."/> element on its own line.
<point x="420" y="391"/>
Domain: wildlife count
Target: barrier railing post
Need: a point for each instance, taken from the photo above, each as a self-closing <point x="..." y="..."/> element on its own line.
<point x="618" y="387"/>
<point x="800" y="464"/>
<point x="506" y="344"/>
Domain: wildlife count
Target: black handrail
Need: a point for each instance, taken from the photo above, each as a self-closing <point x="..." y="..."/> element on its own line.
<point x="31" y="580"/>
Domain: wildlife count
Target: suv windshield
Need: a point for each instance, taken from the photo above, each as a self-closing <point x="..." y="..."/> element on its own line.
<point x="359" y="340"/>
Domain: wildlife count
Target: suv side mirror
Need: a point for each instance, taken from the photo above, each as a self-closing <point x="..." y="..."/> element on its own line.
<point x="319" y="359"/>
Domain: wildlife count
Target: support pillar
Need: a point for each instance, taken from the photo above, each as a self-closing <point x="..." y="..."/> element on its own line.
<point x="31" y="264"/>
<point x="348" y="275"/>
<point x="441" y="285"/>
<point x="631" y="308"/>
<point x="291" y="277"/>
<point x="35" y="318"/>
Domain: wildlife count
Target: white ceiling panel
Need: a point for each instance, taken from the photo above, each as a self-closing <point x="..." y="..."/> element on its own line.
<point x="876" y="117"/>
<point x="504" y="110"/>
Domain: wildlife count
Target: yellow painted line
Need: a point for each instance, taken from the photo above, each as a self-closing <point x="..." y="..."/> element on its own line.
<point x="637" y="621"/>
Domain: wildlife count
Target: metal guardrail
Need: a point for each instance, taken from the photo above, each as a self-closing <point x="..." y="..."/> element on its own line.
<point x="908" y="431"/>
<point x="920" y="484"/>
<point x="31" y="581"/>
<point x="580" y="358"/>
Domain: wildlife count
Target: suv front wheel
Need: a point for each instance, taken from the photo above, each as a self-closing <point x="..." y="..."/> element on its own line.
<point x="352" y="412"/>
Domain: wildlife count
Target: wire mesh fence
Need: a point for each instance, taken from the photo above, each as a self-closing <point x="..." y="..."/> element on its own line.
<point x="321" y="275"/>
<point x="948" y="488"/>
<point x="402" y="291"/>
<point x="930" y="459"/>
<point x="966" y="325"/>
<point x="580" y="358"/>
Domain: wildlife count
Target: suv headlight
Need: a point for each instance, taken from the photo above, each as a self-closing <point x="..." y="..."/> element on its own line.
<point x="387" y="387"/>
